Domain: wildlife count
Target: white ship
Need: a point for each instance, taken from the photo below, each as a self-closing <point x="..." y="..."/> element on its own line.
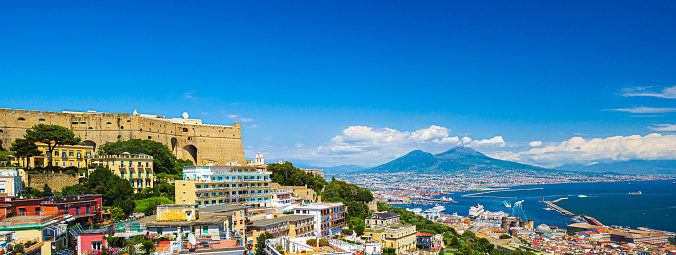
<point x="582" y="196"/>
<point x="436" y="209"/>
<point x="476" y="210"/>
<point x="414" y="210"/>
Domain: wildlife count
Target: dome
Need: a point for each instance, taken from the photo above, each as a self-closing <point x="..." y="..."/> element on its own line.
<point x="543" y="228"/>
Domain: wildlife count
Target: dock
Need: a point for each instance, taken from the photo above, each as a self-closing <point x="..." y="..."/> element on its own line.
<point x="560" y="210"/>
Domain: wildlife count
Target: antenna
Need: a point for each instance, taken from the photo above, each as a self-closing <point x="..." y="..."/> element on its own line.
<point x="191" y="239"/>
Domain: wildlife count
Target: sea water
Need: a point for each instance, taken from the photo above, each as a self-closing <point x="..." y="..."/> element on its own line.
<point x="608" y="202"/>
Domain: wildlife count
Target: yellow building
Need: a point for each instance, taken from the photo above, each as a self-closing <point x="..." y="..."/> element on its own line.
<point x="63" y="156"/>
<point x="137" y="169"/>
<point x="220" y="185"/>
<point x="292" y="226"/>
<point x="401" y="238"/>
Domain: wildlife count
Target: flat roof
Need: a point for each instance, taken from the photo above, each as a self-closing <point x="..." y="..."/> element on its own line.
<point x="223" y="208"/>
<point x="268" y="222"/>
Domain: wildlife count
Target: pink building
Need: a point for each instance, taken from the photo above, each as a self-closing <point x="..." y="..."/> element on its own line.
<point x="92" y="239"/>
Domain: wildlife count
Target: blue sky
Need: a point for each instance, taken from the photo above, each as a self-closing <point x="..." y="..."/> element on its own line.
<point x="355" y="82"/>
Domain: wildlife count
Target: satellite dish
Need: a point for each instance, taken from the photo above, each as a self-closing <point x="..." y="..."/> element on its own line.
<point x="191" y="239"/>
<point x="185" y="115"/>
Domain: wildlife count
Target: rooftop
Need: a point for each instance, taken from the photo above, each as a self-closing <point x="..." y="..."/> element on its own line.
<point x="223" y="208"/>
<point x="384" y="215"/>
<point x="319" y="206"/>
<point x="273" y="221"/>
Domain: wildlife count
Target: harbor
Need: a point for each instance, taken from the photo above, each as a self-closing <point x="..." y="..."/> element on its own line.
<point x="575" y="217"/>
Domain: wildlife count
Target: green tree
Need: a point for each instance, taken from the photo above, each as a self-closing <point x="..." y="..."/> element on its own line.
<point x="24" y="149"/>
<point x="47" y="191"/>
<point x="287" y="175"/>
<point x="114" y="190"/>
<point x="53" y="136"/>
<point x="18" y="249"/>
<point x="505" y="236"/>
<point x="260" y="245"/>
<point x="117" y="213"/>
<point x="148" y="246"/>
<point x="164" y="160"/>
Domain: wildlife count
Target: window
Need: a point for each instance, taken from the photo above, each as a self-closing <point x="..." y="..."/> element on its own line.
<point x="79" y="164"/>
<point x="21" y="119"/>
<point x="108" y="123"/>
<point x="121" y="127"/>
<point x="77" y="210"/>
<point x="159" y="231"/>
<point x="63" y="155"/>
<point x="205" y="229"/>
<point x="74" y="123"/>
<point x="185" y="130"/>
<point x="70" y="153"/>
<point x="147" y="165"/>
<point x="128" y="120"/>
<point x="56" y="153"/>
<point x="96" y="245"/>
<point x="150" y="137"/>
<point x="64" y="164"/>
<point x="79" y="154"/>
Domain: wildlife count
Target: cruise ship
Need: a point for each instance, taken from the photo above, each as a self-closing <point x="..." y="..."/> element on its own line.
<point x="476" y="210"/>
<point x="436" y="209"/>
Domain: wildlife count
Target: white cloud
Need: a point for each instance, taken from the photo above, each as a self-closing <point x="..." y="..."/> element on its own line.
<point x="663" y="127"/>
<point x="237" y="117"/>
<point x="645" y="110"/>
<point x="577" y="150"/>
<point x="188" y="95"/>
<point x="669" y="92"/>
<point x="535" y="144"/>
<point x="254" y="126"/>
<point x="370" y="146"/>
<point x="493" y="141"/>
<point x="433" y="133"/>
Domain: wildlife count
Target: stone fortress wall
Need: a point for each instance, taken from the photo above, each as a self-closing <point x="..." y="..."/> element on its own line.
<point x="187" y="138"/>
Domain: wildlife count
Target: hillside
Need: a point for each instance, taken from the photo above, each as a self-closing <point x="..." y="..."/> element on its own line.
<point x="456" y="159"/>
<point x="627" y="167"/>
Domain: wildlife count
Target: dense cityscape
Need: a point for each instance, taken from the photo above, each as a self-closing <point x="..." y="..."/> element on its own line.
<point x="337" y="127"/>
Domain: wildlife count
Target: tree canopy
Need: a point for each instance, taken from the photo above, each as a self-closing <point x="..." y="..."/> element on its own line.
<point x="260" y="245"/>
<point x="164" y="160"/>
<point x="52" y="135"/>
<point x="287" y="175"/>
<point x="24" y="148"/>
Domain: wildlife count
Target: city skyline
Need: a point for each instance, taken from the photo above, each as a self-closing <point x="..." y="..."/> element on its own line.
<point x="329" y="84"/>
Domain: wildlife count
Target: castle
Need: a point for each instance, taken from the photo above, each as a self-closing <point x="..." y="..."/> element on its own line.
<point x="187" y="138"/>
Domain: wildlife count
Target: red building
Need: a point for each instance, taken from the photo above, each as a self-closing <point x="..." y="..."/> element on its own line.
<point x="87" y="207"/>
<point x="92" y="239"/>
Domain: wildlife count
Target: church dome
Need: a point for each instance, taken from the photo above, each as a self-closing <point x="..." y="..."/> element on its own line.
<point x="543" y="228"/>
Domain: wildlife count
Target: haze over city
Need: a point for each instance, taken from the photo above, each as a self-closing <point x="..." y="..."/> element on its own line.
<point x="325" y="84"/>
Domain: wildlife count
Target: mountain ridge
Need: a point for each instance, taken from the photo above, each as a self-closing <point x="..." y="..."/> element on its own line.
<point x="455" y="159"/>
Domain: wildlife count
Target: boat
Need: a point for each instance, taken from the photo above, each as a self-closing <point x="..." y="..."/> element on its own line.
<point x="436" y="209"/>
<point x="635" y="193"/>
<point x="582" y="196"/>
<point x="507" y="204"/>
<point x="476" y="210"/>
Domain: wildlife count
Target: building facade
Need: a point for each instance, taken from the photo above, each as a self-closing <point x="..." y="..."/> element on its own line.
<point x="401" y="238"/>
<point x="382" y="218"/>
<point x="11" y="184"/>
<point x="292" y="226"/>
<point x="329" y="217"/>
<point x="187" y="138"/>
<point x="137" y="169"/>
<point x="219" y="185"/>
<point x="63" y="156"/>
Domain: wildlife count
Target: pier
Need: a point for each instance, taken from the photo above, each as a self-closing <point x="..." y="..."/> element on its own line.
<point x="560" y="210"/>
<point x="565" y="212"/>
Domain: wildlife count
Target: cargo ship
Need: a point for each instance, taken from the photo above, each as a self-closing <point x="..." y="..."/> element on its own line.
<point x="635" y="193"/>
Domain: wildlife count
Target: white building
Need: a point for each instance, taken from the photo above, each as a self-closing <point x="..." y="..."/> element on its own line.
<point x="329" y="217"/>
<point x="259" y="159"/>
<point x="10" y="182"/>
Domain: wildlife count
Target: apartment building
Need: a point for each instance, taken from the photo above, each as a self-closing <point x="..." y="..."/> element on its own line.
<point x="63" y="155"/>
<point x="219" y="185"/>
<point x="11" y="183"/>
<point x="329" y="217"/>
<point x="382" y="218"/>
<point x="137" y="169"/>
<point x="401" y="238"/>
<point x="292" y="226"/>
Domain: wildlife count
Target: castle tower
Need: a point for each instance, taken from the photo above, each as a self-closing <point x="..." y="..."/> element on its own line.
<point x="259" y="159"/>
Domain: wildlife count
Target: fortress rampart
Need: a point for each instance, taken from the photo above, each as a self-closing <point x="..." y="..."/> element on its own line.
<point x="187" y="138"/>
